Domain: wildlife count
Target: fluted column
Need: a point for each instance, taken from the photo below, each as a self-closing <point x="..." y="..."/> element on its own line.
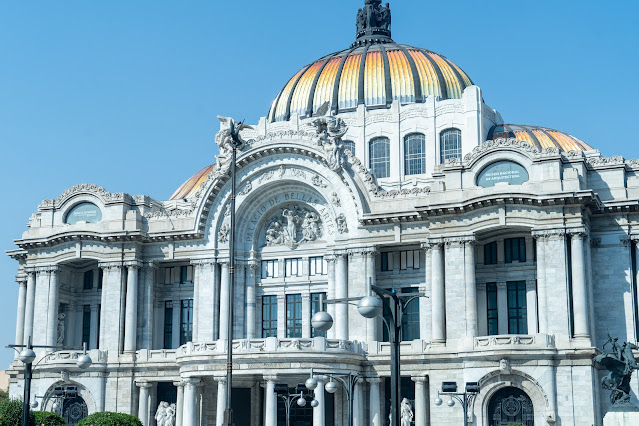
<point x="579" y="290"/>
<point x="372" y="328"/>
<point x="225" y="287"/>
<point x="422" y="413"/>
<point x="179" y="404"/>
<point x="250" y="299"/>
<point x="341" y="292"/>
<point x="319" y="412"/>
<point x="330" y="294"/>
<point x="221" y="400"/>
<point x="542" y="301"/>
<point x="111" y="315"/>
<point x="29" y="305"/>
<point x="358" y="409"/>
<point x="143" y="402"/>
<point x="149" y="305"/>
<point x="190" y="398"/>
<point x="375" y="403"/>
<point x="531" y="306"/>
<point x="270" y="402"/>
<point x="471" y="287"/>
<point x="22" y="303"/>
<point x="131" y="321"/>
<point x="438" y="293"/>
<point x="52" y="313"/>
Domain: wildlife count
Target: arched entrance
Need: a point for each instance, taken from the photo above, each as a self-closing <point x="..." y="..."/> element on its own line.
<point x="74" y="410"/>
<point x="510" y="405"/>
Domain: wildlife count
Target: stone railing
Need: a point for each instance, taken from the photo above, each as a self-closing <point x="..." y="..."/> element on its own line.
<point x="405" y="348"/>
<point x="156" y="355"/>
<point x="515" y="341"/>
<point x="273" y="345"/>
<point x="69" y="357"/>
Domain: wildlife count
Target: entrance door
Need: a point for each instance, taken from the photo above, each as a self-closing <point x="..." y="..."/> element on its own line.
<point x="510" y="405"/>
<point x="74" y="410"/>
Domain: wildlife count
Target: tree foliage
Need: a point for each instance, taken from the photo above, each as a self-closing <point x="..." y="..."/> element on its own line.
<point x="11" y="413"/>
<point x="47" y="418"/>
<point x="110" y="419"/>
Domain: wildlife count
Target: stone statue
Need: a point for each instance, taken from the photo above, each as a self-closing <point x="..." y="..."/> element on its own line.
<point x="340" y="220"/>
<point x="373" y="19"/>
<point x="406" y="414"/>
<point x="223" y="234"/>
<point x="287" y="227"/>
<point x="161" y="414"/>
<point x="226" y="138"/>
<point x="329" y="132"/>
<point x="620" y="361"/>
<point x="60" y="337"/>
<point x="170" y="415"/>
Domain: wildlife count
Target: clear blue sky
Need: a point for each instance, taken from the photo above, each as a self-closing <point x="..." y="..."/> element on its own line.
<point x="125" y="94"/>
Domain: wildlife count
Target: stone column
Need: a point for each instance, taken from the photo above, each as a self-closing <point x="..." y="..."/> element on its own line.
<point x="471" y="287"/>
<point x="319" y="412"/>
<point x="196" y="302"/>
<point x="579" y="290"/>
<point x="54" y="303"/>
<point x="204" y="300"/>
<point x="225" y="287"/>
<point x="542" y="302"/>
<point x="221" y="401"/>
<point x="179" y="404"/>
<point x="341" y="292"/>
<point x="149" y="303"/>
<point x="143" y="402"/>
<point x="330" y="294"/>
<point x="502" y="308"/>
<point x="29" y="306"/>
<point x="190" y="397"/>
<point x="482" y="310"/>
<point x="636" y="241"/>
<point x="99" y="397"/>
<point x="251" y="282"/>
<point x="131" y="321"/>
<point x="358" y="409"/>
<point x="270" y="402"/>
<point x="531" y="306"/>
<point x="111" y="318"/>
<point x="22" y="303"/>
<point x="93" y="331"/>
<point x="422" y="406"/>
<point x="372" y="324"/>
<point x="438" y="293"/>
<point x="425" y="303"/>
<point x="375" y="404"/>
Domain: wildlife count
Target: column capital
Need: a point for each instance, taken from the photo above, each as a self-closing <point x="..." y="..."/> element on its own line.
<point x="363" y="251"/>
<point x="481" y="286"/>
<point x="204" y="262"/>
<point x="461" y="240"/>
<point x="21" y="279"/>
<point x="341" y="254"/>
<point x="220" y="379"/>
<point x="548" y="233"/>
<point x="270" y="377"/>
<point x="374" y="379"/>
<point x="191" y="380"/>
<point x="47" y="269"/>
<point x="143" y="384"/>
<point x="502" y="285"/>
<point x="330" y="258"/>
<point x="419" y="379"/>
<point x="226" y="262"/>
<point x="179" y="384"/>
<point x="133" y="264"/>
<point x="433" y="244"/>
<point x="29" y="269"/>
<point x="577" y="232"/>
<point x="110" y="265"/>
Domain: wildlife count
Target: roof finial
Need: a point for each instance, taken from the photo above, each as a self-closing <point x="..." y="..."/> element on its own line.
<point x="374" y="23"/>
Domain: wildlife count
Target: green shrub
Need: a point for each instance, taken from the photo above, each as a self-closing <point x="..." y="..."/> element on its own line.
<point x="47" y="418"/>
<point x="11" y="413"/>
<point x="110" y="419"/>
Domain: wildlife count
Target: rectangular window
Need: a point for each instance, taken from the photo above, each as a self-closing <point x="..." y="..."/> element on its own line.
<point x="186" y="321"/>
<point x="517" y="320"/>
<point x="490" y="253"/>
<point x="270" y="269"/>
<point x="409" y="259"/>
<point x="100" y="278"/>
<point x="293" y="267"/>
<point x="269" y="316"/>
<point x="168" y="324"/>
<point x="515" y="249"/>
<point x="315" y="307"/>
<point x="491" y="309"/>
<point x="86" y="325"/>
<point x="183" y="274"/>
<point x="410" y="319"/>
<point x="387" y="261"/>
<point x="318" y="266"/>
<point x="88" y="280"/>
<point x="294" y="315"/>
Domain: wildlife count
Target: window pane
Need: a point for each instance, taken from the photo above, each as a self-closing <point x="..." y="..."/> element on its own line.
<point x="294" y="315"/>
<point x="402" y="260"/>
<point x="491" y="305"/>
<point x="380" y="157"/>
<point x="517" y="314"/>
<point x="269" y="316"/>
<point x="186" y="321"/>
<point x="450" y="144"/>
<point x="168" y="325"/>
<point x="385" y="263"/>
<point x="88" y="280"/>
<point x="86" y="325"/>
<point x="515" y="249"/>
<point x="410" y="320"/>
<point x="414" y="154"/>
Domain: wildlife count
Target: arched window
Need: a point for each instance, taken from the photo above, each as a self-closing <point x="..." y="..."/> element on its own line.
<point x="380" y="157"/>
<point x="414" y="154"/>
<point x="350" y="145"/>
<point x="450" y="144"/>
<point x="510" y="406"/>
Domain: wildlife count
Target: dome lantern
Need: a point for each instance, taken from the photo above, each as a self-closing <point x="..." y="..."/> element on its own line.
<point x="373" y="23"/>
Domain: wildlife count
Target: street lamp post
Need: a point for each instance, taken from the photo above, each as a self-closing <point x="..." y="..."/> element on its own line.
<point x="347" y="381"/>
<point x="465" y="398"/>
<point x="289" y="399"/>
<point x="27" y="356"/>
<point x="371" y="307"/>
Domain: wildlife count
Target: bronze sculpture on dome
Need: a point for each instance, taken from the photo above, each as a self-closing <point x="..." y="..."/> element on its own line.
<point x="374" y="20"/>
<point x="621" y="363"/>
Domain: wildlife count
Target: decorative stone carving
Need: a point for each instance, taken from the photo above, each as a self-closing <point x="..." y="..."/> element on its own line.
<point x="620" y="362"/>
<point x="87" y="188"/>
<point x="60" y="337"/>
<point x="329" y="136"/>
<point x="223" y="234"/>
<point x="500" y="143"/>
<point x="266" y="176"/>
<point x="335" y="200"/>
<point x="225" y="139"/>
<point x="292" y="227"/>
<point x="165" y="414"/>
<point x="342" y="226"/>
<point x="606" y="161"/>
<point x="247" y="188"/>
<point x="504" y="366"/>
<point x="317" y="181"/>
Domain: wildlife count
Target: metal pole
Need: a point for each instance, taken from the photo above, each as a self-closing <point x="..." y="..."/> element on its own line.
<point x="395" y="361"/>
<point x="228" y="412"/>
<point x="350" y="393"/>
<point x="27" y="392"/>
<point x="465" y="403"/>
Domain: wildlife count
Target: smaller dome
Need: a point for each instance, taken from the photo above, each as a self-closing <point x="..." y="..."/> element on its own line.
<point x="539" y="137"/>
<point x="190" y="187"/>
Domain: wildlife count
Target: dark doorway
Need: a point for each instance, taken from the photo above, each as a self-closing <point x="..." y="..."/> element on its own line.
<point x="510" y="405"/>
<point x="167" y="392"/>
<point x="74" y="410"/>
<point x="241" y="409"/>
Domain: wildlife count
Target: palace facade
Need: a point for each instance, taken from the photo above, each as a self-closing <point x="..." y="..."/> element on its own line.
<point x="378" y="164"/>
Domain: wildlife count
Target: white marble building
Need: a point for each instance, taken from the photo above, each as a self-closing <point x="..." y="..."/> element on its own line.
<point x="524" y="239"/>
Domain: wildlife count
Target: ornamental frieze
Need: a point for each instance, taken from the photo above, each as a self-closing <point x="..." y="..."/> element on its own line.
<point x="292" y="227"/>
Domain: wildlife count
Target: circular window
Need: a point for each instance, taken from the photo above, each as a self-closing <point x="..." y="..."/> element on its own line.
<point x="502" y="171"/>
<point x="84" y="212"/>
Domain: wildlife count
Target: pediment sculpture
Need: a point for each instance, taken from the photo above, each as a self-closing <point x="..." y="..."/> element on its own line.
<point x="329" y="131"/>
<point x="293" y="226"/>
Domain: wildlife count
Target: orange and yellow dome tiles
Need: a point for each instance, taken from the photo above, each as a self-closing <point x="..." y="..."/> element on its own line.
<point x="369" y="74"/>
<point x="539" y="137"/>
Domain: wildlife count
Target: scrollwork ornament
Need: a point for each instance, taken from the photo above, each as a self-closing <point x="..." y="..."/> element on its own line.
<point x="223" y="234"/>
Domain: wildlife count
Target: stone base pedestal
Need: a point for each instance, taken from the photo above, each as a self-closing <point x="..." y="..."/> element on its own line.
<point x="621" y="418"/>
